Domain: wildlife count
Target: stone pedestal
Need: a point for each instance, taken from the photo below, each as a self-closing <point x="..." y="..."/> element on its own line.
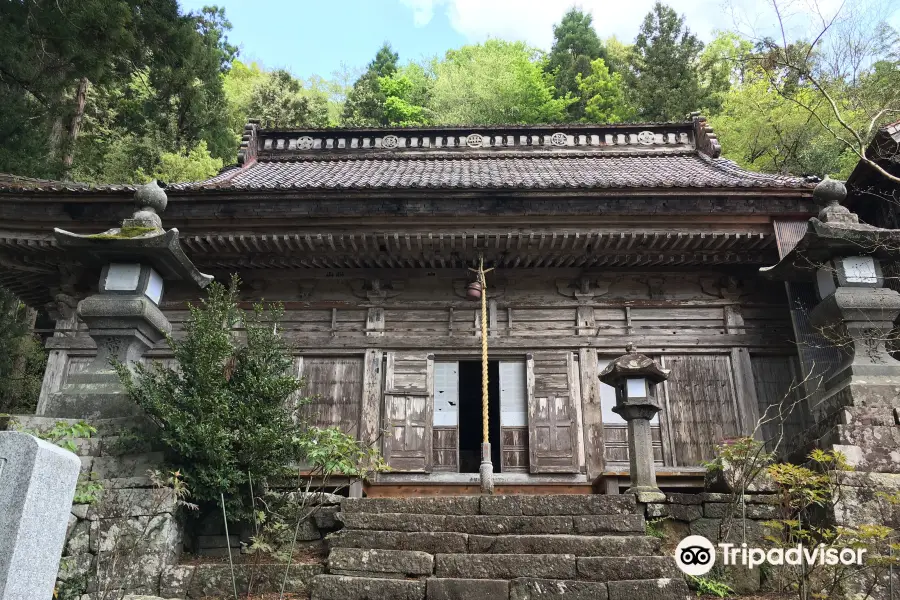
<point x="123" y="327"/>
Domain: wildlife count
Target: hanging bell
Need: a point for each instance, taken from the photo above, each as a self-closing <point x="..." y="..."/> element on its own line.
<point x="473" y="291"/>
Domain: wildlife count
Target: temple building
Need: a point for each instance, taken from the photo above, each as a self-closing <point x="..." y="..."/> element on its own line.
<point x="598" y="236"/>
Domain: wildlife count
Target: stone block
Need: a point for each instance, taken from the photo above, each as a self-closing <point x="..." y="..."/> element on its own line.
<point x="466" y="589"/>
<point x="74" y="567"/>
<point x="133" y="502"/>
<point x="610" y="568"/>
<point x="685" y="512"/>
<point x="37" y="484"/>
<point x="325" y="518"/>
<point x="676" y="498"/>
<point x="79" y="539"/>
<point x="80" y="510"/>
<point x="174" y="582"/>
<point x="743" y="580"/>
<point x="609" y="545"/>
<point x="431" y="542"/>
<point x="505" y="566"/>
<point x="656" y="511"/>
<point x="440" y="505"/>
<point x="316" y="498"/>
<point x="719" y="510"/>
<point x="501" y="505"/>
<point x="214" y="580"/>
<point x="478" y="524"/>
<point x="339" y="587"/>
<point x="762" y="511"/>
<point x="599" y="524"/>
<point x="525" y="588"/>
<point x="403" y="562"/>
<point x="575" y="504"/>
<point x="130" y="465"/>
<point x="657" y="589"/>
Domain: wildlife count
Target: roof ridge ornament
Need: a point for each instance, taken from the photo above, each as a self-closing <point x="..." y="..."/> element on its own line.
<point x="249" y="143"/>
<point x="706" y="139"/>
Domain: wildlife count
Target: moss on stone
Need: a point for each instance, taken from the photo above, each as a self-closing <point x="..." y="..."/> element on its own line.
<point x="125" y="233"/>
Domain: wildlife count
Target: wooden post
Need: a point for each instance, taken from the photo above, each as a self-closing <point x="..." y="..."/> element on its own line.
<point x="590" y="413"/>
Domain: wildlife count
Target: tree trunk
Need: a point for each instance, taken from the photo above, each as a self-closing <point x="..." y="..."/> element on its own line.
<point x="74" y="127"/>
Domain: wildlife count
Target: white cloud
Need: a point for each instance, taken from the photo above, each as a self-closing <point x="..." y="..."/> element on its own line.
<point x="532" y="20"/>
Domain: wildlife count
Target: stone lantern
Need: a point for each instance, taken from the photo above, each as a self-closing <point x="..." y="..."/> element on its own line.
<point x="841" y="258"/>
<point x="134" y="262"/>
<point x="635" y="377"/>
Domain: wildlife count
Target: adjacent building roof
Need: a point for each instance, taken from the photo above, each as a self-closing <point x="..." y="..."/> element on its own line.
<point x="545" y="157"/>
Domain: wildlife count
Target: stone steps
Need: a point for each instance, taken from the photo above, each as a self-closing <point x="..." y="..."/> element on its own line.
<point x="504" y="547"/>
<point x="343" y="587"/>
<point x="461" y="543"/>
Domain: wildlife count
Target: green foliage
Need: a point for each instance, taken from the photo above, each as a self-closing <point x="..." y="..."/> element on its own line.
<point x="663" y="75"/>
<point x="365" y="102"/>
<point x="85" y="83"/>
<point x="708" y="586"/>
<point x="22" y="359"/>
<point x="195" y="164"/>
<point x="653" y="529"/>
<point x="605" y="95"/>
<point x="492" y="83"/>
<point x="404" y="99"/>
<point x="575" y="49"/>
<point x="226" y="416"/>
<point x="277" y="99"/>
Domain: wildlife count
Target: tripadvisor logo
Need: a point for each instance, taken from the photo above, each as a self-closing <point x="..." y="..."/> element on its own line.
<point x="695" y="555"/>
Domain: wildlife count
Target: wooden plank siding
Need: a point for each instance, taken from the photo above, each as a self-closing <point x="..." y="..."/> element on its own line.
<point x="778" y="391"/>
<point x="332" y="391"/>
<point x="701" y="404"/>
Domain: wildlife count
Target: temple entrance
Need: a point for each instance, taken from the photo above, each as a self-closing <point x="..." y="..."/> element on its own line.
<point x="457" y="429"/>
<point x="470" y="415"/>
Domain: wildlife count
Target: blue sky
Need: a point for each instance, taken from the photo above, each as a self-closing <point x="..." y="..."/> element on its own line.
<point x="317" y="36"/>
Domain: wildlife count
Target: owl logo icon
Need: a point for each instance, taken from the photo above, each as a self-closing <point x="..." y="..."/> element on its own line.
<point x="695" y="555"/>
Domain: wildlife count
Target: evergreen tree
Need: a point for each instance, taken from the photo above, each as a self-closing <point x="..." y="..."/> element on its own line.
<point x="365" y="102"/>
<point x="575" y="47"/>
<point x="663" y="75"/>
<point x="278" y="100"/>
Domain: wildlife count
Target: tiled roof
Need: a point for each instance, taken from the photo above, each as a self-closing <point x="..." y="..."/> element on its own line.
<point x="688" y="170"/>
<point x="574" y="156"/>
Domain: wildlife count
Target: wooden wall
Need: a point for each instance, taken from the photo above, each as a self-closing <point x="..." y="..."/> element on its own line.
<point x="367" y="341"/>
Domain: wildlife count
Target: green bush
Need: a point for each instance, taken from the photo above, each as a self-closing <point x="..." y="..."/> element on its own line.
<point x="226" y="416"/>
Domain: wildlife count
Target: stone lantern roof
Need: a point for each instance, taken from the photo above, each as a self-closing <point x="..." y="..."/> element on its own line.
<point x="631" y="366"/>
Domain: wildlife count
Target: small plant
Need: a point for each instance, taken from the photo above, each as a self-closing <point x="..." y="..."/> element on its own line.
<point x="653" y="529"/>
<point x="708" y="586"/>
<point x="88" y="489"/>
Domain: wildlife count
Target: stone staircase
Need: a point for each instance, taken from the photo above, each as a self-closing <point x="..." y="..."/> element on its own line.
<point x="496" y="547"/>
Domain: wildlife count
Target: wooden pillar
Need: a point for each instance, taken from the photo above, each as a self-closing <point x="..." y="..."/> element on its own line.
<point x="370" y="410"/>
<point x="742" y="369"/>
<point x="590" y="413"/>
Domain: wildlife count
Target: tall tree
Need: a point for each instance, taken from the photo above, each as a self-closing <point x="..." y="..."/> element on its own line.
<point x="664" y="74"/>
<point x="493" y="83"/>
<point x="604" y="93"/>
<point x="57" y="57"/>
<point x="365" y="102"/>
<point x="575" y="47"/>
<point x="278" y="99"/>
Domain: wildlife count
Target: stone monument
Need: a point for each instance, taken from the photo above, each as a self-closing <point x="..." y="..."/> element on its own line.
<point x="37" y="484"/>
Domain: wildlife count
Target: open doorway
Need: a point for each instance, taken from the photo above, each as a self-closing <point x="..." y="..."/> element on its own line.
<point x="470" y="415"/>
